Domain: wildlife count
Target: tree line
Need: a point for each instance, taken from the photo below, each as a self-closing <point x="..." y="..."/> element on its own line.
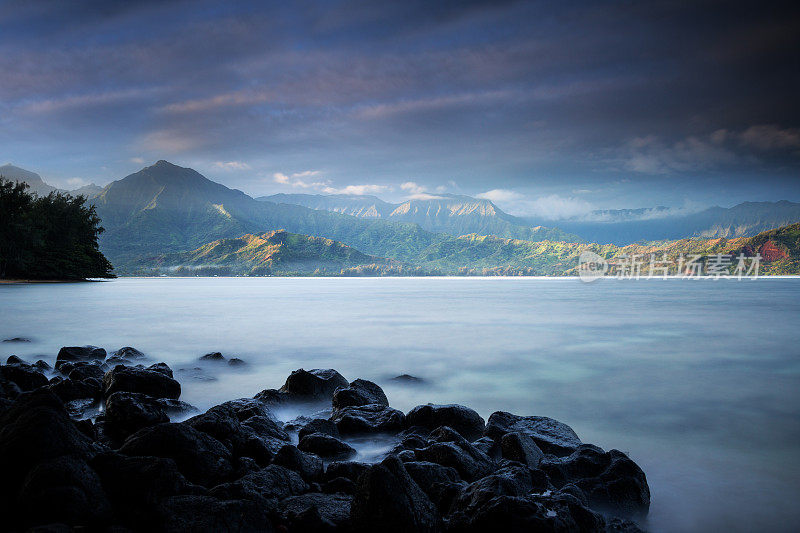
<point x="48" y="237"/>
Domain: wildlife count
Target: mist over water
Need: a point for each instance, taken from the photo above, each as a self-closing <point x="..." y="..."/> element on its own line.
<point x="698" y="381"/>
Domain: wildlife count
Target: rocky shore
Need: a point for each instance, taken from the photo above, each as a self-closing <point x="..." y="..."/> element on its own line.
<point x="87" y="443"/>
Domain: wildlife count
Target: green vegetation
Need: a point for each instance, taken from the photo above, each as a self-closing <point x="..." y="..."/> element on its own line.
<point x="48" y="237"/>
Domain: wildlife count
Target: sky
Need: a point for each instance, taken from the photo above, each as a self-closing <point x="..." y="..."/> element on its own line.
<point x="547" y="108"/>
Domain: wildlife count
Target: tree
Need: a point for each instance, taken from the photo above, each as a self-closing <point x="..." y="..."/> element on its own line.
<point x="49" y="237"/>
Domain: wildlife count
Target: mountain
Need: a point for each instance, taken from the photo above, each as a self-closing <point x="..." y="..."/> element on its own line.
<point x="444" y="213"/>
<point x="167" y="208"/>
<point x="482" y="255"/>
<point x="34" y="180"/>
<point x="632" y="225"/>
<point x="89" y="191"/>
<point x="274" y="252"/>
<point x="362" y="206"/>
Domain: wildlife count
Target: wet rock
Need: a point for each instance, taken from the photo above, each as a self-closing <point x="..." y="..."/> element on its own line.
<point x="235" y="361"/>
<point x="132" y="379"/>
<point x="455" y="451"/>
<point x="521" y="448"/>
<point x="129" y="352"/>
<point x="243" y="427"/>
<point x="611" y="481"/>
<point x="85" y="370"/>
<point x="271" y="483"/>
<point x="81" y="407"/>
<point x="462" y="419"/>
<point x="175" y="408"/>
<point x="347" y="469"/>
<point x="387" y="499"/>
<point x="313" y="385"/>
<point x="408" y="379"/>
<point x="200" y="458"/>
<point x="315" y="512"/>
<point x="70" y="390"/>
<point x="205" y="513"/>
<point x="113" y="361"/>
<point x="307" y="465"/>
<point x="80" y="353"/>
<point x="25" y="376"/>
<point x="319" y="425"/>
<point x="326" y="447"/>
<point x="509" y="481"/>
<point x="196" y="373"/>
<point x="359" y="392"/>
<point x="426" y="474"/>
<point x="63" y="489"/>
<point x="550" y="435"/>
<point x="17" y="339"/>
<point x="42" y="366"/>
<point x="341" y="485"/>
<point x="213" y="356"/>
<point x="136" y="485"/>
<point x="373" y="418"/>
<point x="163" y="368"/>
<point x="14" y="360"/>
<point x="525" y="513"/>
<point x="490" y="447"/>
<point x="128" y="412"/>
<point x="35" y="430"/>
<point x="8" y="389"/>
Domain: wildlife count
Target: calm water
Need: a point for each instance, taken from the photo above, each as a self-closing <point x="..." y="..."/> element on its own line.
<point x="696" y="380"/>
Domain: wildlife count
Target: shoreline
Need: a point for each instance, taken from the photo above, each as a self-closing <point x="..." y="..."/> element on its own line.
<point x="127" y="464"/>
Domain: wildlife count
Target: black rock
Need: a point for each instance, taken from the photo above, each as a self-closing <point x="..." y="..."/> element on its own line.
<point x="162" y="368"/>
<point x="42" y="366"/>
<point x="521" y="448"/>
<point x="71" y="390"/>
<point x="35" y="430"/>
<point x="307" y="465"/>
<point x="462" y="419"/>
<point x="550" y="435"/>
<point x="63" y="489"/>
<point x="128" y="412"/>
<point x="136" y="485"/>
<point x="313" y="385"/>
<point x="205" y="513"/>
<point x="388" y="500"/>
<point x="25" y="376"/>
<point x="319" y="425"/>
<point x="213" y="356"/>
<point x="128" y="352"/>
<point x="326" y="446"/>
<point x="509" y="481"/>
<point x="200" y="458"/>
<point x="80" y="353"/>
<point x="244" y="427"/>
<point x="408" y="379"/>
<point x="455" y="451"/>
<point x="271" y="483"/>
<point x="235" y="361"/>
<point x="132" y="379"/>
<point x="86" y="369"/>
<point x="340" y="485"/>
<point x="196" y="373"/>
<point x="316" y="512"/>
<point x="611" y="481"/>
<point x="347" y="469"/>
<point x="17" y="339"/>
<point x="372" y="418"/>
<point x="359" y="392"/>
<point x="490" y="447"/>
<point x="14" y="360"/>
<point x="175" y="407"/>
<point x="427" y="474"/>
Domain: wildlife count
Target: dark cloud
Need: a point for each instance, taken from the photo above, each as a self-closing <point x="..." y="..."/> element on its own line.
<point x="678" y="100"/>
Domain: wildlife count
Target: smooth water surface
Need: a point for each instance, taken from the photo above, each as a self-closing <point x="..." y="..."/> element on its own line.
<point x="697" y="380"/>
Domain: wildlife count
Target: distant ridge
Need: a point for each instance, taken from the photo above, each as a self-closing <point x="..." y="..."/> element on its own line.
<point x="444" y="213"/>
